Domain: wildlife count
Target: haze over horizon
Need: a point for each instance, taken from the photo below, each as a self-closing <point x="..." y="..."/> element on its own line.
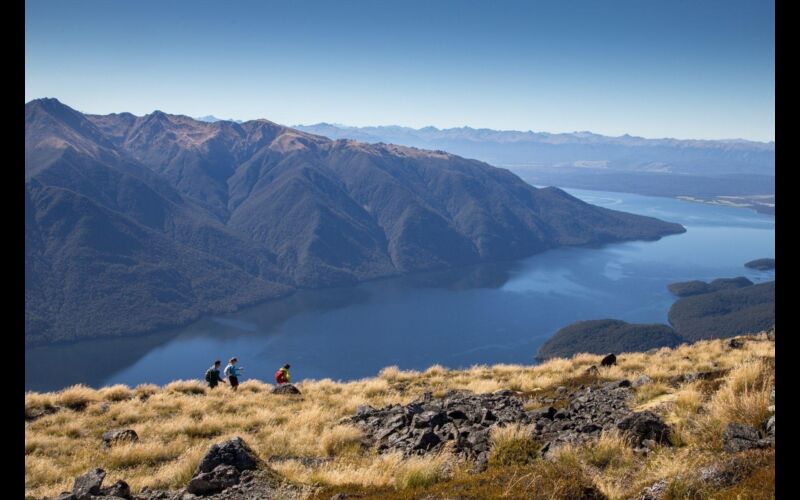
<point x="676" y="70"/>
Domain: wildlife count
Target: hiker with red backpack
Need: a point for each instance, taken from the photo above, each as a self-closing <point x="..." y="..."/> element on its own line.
<point x="282" y="375"/>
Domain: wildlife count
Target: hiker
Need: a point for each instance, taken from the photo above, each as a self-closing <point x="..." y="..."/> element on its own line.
<point x="212" y="375"/>
<point x="232" y="372"/>
<point x="282" y="375"/>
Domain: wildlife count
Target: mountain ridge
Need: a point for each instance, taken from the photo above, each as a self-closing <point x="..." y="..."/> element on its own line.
<point x="259" y="209"/>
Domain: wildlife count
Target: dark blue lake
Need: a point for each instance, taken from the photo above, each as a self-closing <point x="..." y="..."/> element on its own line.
<point x="485" y="314"/>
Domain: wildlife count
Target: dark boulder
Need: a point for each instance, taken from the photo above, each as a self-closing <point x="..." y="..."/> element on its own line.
<point x="119" y="435"/>
<point x="285" y="389"/>
<point x="426" y="441"/>
<point x="547" y="413"/>
<point x="428" y="419"/>
<point x="736" y="343"/>
<point x="645" y="425"/>
<point x="88" y="485"/>
<point x="609" y="360"/>
<point x="234" y="452"/>
<point x="208" y="483"/>
<point x="740" y="437"/>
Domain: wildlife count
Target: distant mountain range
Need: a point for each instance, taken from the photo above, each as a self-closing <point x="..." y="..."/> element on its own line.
<point x="212" y="119"/>
<point x="134" y="223"/>
<point x="661" y="167"/>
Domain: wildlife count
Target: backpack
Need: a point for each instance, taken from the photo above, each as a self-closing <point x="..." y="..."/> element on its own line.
<point x="210" y="375"/>
<point x="279" y="377"/>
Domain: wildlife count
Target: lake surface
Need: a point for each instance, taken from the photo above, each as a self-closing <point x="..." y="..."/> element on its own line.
<point x="484" y="314"/>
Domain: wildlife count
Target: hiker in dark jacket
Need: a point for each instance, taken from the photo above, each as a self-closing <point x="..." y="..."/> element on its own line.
<point x="212" y="375"/>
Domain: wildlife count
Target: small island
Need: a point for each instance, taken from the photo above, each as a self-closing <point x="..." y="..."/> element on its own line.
<point x="724" y="313"/>
<point x="761" y="264"/>
<point x="697" y="287"/>
<point x="603" y="336"/>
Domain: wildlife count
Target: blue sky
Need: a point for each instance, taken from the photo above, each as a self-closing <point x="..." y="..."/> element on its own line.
<point x="670" y="68"/>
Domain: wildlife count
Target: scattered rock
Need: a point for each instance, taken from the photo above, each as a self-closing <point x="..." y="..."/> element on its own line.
<point x="65" y="496"/>
<point x="609" y="360"/>
<point x="208" y="483"/>
<point x="285" y="389"/>
<point x="592" y="371"/>
<point x="88" y="485"/>
<point x="35" y="413"/>
<point x="644" y="426"/>
<point x="655" y="491"/>
<point x="771" y="334"/>
<point x="117" y="435"/>
<point x="234" y="452"/>
<point x="120" y="489"/>
<point x="148" y="494"/>
<point x="691" y="377"/>
<point x="643" y="380"/>
<point x="740" y="437"/>
<point x="770" y="426"/>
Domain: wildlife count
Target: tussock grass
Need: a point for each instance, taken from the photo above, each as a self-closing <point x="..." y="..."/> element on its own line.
<point x="651" y="391"/>
<point x="117" y="392"/>
<point x="76" y="397"/>
<point x="342" y="439"/>
<point x="744" y="397"/>
<point x="144" y="391"/>
<point x="512" y="445"/>
<point x="178" y="422"/>
<point x="186" y="387"/>
<point x="611" y="450"/>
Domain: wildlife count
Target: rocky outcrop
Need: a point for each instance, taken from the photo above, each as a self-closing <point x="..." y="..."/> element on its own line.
<point x="426" y="425"/>
<point x="285" y="389"/>
<point x="466" y="419"/>
<point x="590" y="411"/>
<point x="233" y="452"/>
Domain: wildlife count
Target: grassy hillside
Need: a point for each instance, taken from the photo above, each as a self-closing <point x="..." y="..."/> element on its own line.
<point x="304" y="440"/>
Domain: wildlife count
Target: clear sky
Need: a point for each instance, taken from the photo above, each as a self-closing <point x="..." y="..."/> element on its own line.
<point x="654" y="68"/>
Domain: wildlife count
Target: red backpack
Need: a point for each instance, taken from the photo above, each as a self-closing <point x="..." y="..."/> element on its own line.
<point x="279" y="376"/>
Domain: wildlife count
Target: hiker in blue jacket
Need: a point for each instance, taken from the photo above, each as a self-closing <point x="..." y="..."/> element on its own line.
<point x="232" y="372"/>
